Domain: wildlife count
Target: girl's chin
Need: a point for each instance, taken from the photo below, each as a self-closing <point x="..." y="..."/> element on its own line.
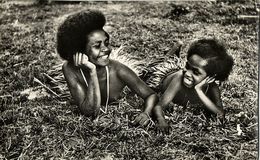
<point x="187" y="85"/>
<point x="102" y="62"/>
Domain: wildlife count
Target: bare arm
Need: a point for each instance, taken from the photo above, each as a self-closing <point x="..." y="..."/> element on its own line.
<point x="212" y="99"/>
<point x="169" y="94"/>
<point x="88" y="98"/>
<point x="139" y="87"/>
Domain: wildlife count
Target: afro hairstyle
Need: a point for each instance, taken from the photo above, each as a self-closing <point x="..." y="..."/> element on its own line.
<point x="72" y="33"/>
<point x="219" y="62"/>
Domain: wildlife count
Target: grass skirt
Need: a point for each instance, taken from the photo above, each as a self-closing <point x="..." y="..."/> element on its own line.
<point x="157" y="70"/>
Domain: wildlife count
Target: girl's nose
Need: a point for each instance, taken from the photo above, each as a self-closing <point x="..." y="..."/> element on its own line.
<point x="105" y="48"/>
<point x="188" y="73"/>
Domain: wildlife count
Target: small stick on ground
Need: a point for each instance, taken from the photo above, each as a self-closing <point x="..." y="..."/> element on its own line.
<point x="38" y="81"/>
<point x="52" y="79"/>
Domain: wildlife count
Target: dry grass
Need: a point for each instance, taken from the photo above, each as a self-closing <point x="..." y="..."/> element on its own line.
<point x="50" y="127"/>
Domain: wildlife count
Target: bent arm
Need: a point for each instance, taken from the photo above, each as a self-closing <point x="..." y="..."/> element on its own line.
<point x="139" y="87"/>
<point x="212" y="100"/>
<point x="169" y="94"/>
<point x="88" y="98"/>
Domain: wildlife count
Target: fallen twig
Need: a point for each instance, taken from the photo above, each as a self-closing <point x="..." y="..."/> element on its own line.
<point x="4" y="96"/>
<point x="38" y="81"/>
<point x="247" y="16"/>
<point x="52" y="79"/>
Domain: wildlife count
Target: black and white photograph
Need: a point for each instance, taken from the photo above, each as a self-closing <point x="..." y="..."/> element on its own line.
<point x="129" y="80"/>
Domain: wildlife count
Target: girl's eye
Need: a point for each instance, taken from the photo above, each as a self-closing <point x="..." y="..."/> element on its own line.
<point x="106" y="43"/>
<point x="196" y="72"/>
<point x="96" y="45"/>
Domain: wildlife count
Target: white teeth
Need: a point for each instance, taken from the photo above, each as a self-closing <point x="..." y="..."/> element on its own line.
<point x="188" y="81"/>
<point x="104" y="57"/>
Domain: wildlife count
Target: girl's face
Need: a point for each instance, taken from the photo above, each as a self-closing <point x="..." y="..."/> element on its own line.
<point x="194" y="71"/>
<point x="98" y="49"/>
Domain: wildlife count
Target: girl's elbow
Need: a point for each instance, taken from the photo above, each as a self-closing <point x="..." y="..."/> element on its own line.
<point x="88" y="110"/>
<point x="153" y="96"/>
<point x="218" y="110"/>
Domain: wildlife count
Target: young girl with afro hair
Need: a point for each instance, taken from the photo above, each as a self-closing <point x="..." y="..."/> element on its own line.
<point x="93" y="78"/>
<point x="207" y="62"/>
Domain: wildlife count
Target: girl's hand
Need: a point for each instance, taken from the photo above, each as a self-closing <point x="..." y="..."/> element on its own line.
<point x="204" y="82"/>
<point x="163" y="126"/>
<point x="221" y="117"/>
<point x="81" y="60"/>
<point x="142" y="119"/>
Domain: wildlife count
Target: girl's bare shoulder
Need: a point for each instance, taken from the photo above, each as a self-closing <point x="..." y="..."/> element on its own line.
<point x="67" y="66"/>
<point x="115" y="63"/>
<point x="118" y="67"/>
<point x="174" y="76"/>
<point x="69" y="69"/>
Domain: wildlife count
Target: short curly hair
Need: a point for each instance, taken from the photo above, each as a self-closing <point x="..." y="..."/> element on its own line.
<point x="219" y="62"/>
<point x="72" y="33"/>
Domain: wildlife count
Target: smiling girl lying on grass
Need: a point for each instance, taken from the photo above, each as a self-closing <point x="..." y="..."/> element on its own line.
<point x="93" y="78"/>
<point x="207" y="61"/>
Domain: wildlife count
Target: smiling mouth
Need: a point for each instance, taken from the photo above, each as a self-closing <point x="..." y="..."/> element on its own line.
<point x="187" y="81"/>
<point x="103" y="57"/>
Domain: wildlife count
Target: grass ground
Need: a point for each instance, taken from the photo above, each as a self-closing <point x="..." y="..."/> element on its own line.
<point x="50" y="128"/>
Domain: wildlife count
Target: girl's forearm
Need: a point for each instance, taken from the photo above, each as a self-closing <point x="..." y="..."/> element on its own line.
<point x="208" y="103"/>
<point x="158" y="112"/>
<point x="150" y="103"/>
<point x="92" y="100"/>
